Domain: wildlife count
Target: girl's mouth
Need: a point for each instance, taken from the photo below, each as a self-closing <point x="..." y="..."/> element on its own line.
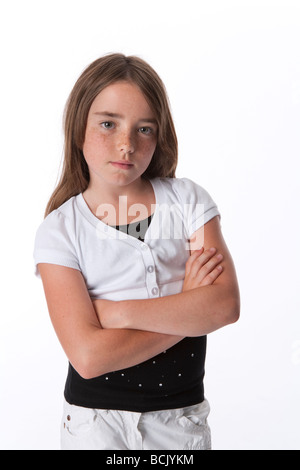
<point x="122" y="165"/>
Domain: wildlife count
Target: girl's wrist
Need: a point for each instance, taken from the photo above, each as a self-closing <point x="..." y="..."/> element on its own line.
<point x="113" y="314"/>
<point x="120" y="317"/>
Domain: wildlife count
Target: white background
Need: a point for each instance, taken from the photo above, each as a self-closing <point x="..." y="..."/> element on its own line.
<point x="232" y="71"/>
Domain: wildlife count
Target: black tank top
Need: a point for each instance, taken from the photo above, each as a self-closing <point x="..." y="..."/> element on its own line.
<point x="172" y="379"/>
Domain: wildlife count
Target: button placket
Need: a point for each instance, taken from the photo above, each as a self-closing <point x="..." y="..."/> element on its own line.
<point x="151" y="281"/>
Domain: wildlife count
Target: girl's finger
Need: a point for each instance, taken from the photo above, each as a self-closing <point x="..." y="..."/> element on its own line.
<point x="210" y="265"/>
<point x="201" y="260"/>
<point x="192" y="258"/>
<point x="212" y="276"/>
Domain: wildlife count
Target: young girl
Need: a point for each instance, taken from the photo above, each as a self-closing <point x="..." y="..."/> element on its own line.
<point x="134" y="266"/>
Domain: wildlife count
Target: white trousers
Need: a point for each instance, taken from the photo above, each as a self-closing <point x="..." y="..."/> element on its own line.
<point x="178" y="429"/>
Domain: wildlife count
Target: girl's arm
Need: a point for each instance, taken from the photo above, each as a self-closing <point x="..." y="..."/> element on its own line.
<point x="198" y="310"/>
<point x="92" y="350"/>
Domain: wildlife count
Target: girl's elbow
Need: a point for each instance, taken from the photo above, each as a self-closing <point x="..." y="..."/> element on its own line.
<point x="83" y="369"/>
<point x="85" y="372"/>
<point x="232" y="310"/>
<point x="85" y="366"/>
<point x="88" y="372"/>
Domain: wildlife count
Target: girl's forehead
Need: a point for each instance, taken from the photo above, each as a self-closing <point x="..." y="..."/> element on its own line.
<point x="121" y="94"/>
<point x="117" y="89"/>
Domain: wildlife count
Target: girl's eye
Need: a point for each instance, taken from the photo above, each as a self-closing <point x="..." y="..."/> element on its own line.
<point x="107" y="125"/>
<point x="145" y="130"/>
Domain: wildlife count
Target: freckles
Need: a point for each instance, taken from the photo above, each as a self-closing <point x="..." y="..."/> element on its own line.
<point x="95" y="148"/>
<point x="95" y="140"/>
<point x="149" y="148"/>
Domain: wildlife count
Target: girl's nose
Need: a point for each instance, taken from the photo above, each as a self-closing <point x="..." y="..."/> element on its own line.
<point x="126" y="144"/>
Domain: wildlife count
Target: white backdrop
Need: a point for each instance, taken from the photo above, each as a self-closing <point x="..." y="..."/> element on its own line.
<point x="232" y="71"/>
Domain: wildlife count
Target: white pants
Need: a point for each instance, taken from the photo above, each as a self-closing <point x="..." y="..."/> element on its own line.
<point x="178" y="429"/>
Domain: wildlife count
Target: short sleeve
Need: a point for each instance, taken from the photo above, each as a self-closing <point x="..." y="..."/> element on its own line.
<point x="198" y="206"/>
<point x="54" y="242"/>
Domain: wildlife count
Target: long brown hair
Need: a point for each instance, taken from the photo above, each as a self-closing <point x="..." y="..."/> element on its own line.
<point x="75" y="177"/>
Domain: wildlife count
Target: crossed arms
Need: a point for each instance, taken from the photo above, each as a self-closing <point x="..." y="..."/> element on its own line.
<point x="104" y="336"/>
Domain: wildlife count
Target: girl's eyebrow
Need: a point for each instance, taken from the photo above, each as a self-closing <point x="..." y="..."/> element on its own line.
<point x="107" y="113"/>
<point x="120" y="116"/>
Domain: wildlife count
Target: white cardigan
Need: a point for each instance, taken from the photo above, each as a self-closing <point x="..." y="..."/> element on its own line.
<point x="117" y="266"/>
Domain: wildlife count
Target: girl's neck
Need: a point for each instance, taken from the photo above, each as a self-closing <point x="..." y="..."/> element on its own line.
<point x="114" y="204"/>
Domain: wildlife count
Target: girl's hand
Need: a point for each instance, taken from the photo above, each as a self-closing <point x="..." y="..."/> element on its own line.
<point x="202" y="268"/>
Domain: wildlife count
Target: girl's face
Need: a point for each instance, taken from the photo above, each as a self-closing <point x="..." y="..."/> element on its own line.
<point x="121" y="135"/>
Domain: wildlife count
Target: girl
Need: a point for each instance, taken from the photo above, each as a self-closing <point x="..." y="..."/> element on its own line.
<point x="134" y="266"/>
